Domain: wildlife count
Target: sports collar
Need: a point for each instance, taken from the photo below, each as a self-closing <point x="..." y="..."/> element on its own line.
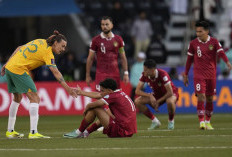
<point x="103" y="37"/>
<point x="208" y="39"/>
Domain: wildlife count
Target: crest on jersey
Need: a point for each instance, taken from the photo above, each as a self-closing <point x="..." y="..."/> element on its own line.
<point x="210" y="47"/>
<point x="115" y="44"/>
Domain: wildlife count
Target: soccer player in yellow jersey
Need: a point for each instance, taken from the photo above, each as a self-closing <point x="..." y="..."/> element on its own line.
<point x="24" y="59"/>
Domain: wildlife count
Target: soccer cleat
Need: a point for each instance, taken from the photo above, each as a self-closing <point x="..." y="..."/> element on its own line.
<point x="100" y="129"/>
<point x="14" y="134"/>
<point x="36" y="136"/>
<point x="154" y="125"/>
<point x="208" y="126"/>
<point x="170" y="125"/>
<point x="73" y="134"/>
<point x="202" y="125"/>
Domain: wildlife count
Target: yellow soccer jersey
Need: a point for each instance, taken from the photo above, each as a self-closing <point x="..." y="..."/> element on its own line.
<point x="30" y="56"/>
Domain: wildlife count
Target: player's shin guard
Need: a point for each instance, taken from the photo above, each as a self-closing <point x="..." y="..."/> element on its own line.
<point x="208" y="111"/>
<point x="171" y="116"/>
<point x="84" y="125"/>
<point x="200" y="110"/>
<point x="93" y="128"/>
<point x="12" y="115"/>
<point x="34" y="117"/>
<point x="149" y="114"/>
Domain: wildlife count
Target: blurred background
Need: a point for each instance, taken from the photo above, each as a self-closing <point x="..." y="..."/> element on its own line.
<point x="171" y="29"/>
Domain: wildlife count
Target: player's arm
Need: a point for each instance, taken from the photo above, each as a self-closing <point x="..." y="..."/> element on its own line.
<point x="122" y="55"/>
<point x="61" y="80"/>
<point x="187" y="67"/>
<point x="95" y="95"/>
<point x="89" y="64"/>
<point x="168" y="94"/>
<point x="94" y="104"/>
<point x="225" y="59"/>
<point x="139" y="90"/>
<point x="3" y="67"/>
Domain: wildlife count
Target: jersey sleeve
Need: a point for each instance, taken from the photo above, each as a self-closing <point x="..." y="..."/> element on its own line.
<point x="107" y="99"/>
<point x="121" y="42"/>
<point x="165" y="78"/>
<point x="93" y="46"/>
<point x="190" y="49"/>
<point x="49" y="59"/>
<point x="218" y="46"/>
<point x="142" y="78"/>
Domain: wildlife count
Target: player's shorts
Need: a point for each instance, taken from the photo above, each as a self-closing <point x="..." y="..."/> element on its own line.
<point x="19" y="83"/>
<point x="175" y="93"/>
<point x="114" y="130"/>
<point x="207" y="86"/>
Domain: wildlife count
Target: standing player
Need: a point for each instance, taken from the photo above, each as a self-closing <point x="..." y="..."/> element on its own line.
<point x="203" y="52"/>
<point x="107" y="47"/>
<point x="122" y="124"/>
<point x="163" y="91"/>
<point x="24" y="59"/>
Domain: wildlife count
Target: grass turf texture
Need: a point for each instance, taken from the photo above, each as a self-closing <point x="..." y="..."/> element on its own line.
<point x="185" y="140"/>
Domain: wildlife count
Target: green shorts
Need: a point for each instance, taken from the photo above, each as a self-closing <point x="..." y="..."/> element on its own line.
<point x="19" y="83"/>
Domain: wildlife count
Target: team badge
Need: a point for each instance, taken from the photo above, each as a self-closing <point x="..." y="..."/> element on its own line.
<point x="115" y="43"/>
<point x="210" y="47"/>
<point x="159" y="83"/>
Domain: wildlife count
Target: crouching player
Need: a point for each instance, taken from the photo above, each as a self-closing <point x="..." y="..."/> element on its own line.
<point x="163" y="91"/>
<point x="122" y="124"/>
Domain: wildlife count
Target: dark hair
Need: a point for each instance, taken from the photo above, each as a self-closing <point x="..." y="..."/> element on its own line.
<point x="55" y="37"/>
<point x="107" y="18"/>
<point x="150" y="63"/>
<point x="109" y="84"/>
<point x="203" y="24"/>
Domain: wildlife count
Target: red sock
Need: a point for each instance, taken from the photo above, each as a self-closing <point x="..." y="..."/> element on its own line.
<point x="83" y="125"/>
<point x="208" y="111"/>
<point x="200" y="110"/>
<point x="171" y="116"/>
<point x="93" y="128"/>
<point x="149" y="114"/>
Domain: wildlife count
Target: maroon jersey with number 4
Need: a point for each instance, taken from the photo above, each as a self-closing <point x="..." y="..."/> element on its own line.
<point x="123" y="109"/>
<point x="107" y="52"/>
<point x="205" y="55"/>
<point x="158" y="83"/>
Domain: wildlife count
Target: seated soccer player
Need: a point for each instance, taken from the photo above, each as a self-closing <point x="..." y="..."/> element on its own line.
<point x="122" y="124"/>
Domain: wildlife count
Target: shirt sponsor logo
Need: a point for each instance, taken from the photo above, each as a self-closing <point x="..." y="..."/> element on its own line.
<point x="52" y="61"/>
<point x="210" y="47"/>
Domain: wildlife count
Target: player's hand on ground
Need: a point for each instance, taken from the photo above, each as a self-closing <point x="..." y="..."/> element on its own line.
<point x="3" y="70"/>
<point x="185" y="78"/>
<point x="126" y="78"/>
<point x="229" y="66"/>
<point x="88" y="80"/>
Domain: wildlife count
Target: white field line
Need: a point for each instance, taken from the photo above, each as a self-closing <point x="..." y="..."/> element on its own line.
<point x="118" y="148"/>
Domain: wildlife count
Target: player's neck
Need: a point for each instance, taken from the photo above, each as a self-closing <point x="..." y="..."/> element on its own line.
<point x="108" y="35"/>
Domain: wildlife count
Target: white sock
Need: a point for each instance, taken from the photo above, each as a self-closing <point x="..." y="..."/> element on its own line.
<point x="12" y="115"/>
<point x="156" y="120"/>
<point x="78" y="131"/>
<point x="34" y="116"/>
<point x="207" y="121"/>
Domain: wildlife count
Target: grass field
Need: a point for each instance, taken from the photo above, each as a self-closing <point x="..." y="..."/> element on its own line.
<point x="186" y="140"/>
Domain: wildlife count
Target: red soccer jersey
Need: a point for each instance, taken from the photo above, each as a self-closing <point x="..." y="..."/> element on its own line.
<point x="205" y="55"/>
<point x="123" y="109"/>
<point x="158" y="83"/>
<point x="107" y="52"/>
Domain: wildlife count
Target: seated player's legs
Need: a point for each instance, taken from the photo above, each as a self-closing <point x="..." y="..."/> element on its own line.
<point x="140" y="103"/>
<point x="200" y="89"/>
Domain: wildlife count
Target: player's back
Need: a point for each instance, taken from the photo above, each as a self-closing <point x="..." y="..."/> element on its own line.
<point x="123" y="109"/>
<point x="29" y="56"/>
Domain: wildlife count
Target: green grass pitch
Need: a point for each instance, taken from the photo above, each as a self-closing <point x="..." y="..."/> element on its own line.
<point x="186" y="140"/>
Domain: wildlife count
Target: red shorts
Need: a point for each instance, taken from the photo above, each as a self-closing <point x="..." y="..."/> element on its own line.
<point x="207" y="86"/>
<point x="175" y="93"/>
<point x="114" y="130"/>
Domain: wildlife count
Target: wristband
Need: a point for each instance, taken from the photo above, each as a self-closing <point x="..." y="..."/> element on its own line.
<point x="126" y="73"/>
